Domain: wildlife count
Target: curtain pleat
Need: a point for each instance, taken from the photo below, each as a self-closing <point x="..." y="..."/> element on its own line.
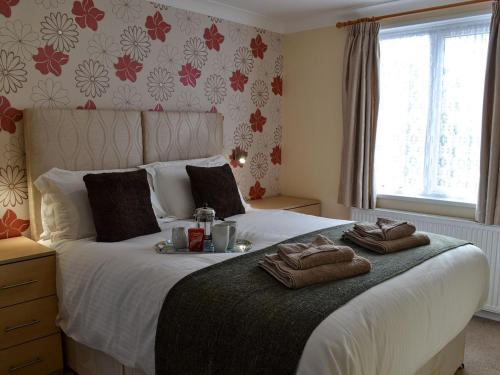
<point x="360" y="102"/>
<point x="488" y="205"/>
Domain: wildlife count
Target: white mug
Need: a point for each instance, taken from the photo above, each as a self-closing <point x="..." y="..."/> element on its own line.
<point x="220" y="237"/>
<point x="232" y="232"/>
<point x="179" y="238"/>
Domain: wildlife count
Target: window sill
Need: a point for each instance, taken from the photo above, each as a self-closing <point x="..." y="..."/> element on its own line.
<point x="433" y="201"/>
<point x="427" y="206"/>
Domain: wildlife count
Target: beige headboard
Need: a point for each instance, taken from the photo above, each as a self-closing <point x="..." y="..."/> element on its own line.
<point x="181" y="135"/>
<point x="108" y="139"/>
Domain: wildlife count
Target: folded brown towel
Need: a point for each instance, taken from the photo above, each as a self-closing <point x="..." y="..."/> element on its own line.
<point x="384" y="247"/>
<point x="385" y="229"/>
<point x="296" y="279"/>
<point x="322" y="250"/>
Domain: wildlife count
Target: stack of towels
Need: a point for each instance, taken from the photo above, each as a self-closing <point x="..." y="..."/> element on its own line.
<point x="386" y="236"/>
<point x="298" y="264"/>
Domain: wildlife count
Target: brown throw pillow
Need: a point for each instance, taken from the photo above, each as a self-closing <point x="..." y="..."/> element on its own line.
<point x="121" y="205"/>
<point x="216" y="187"/>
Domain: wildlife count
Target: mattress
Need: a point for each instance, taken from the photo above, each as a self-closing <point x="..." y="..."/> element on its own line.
<point x="110" y="296"/>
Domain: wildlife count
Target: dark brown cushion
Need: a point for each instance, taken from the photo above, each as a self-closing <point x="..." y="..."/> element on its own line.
<point x="216" y="187"/>
<point x="121" y="205"/>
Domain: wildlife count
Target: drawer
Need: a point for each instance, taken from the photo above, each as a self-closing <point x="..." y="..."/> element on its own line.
<point x="39" y="357"/>
<point x="313" y="209"/>
<point x="27" y="280"/>
<point x="27" y="321"/>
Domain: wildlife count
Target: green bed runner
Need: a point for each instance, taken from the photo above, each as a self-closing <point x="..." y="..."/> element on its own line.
<point x="233" y="318"/>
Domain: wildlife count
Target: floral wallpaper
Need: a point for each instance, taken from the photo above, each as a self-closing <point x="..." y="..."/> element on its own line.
<point x="132" y="54"/>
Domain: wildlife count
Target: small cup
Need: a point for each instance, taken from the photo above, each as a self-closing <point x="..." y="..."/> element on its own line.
<point x="179" y="238"/>
<point x="232" y="232"/>
<point x="220" y="237"/>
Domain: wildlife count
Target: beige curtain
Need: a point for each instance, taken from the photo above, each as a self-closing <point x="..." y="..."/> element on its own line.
<point x="488" y="205"/>
<point x="360" y="100"/>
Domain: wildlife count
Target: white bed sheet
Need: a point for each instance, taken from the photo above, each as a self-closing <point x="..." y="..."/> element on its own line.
<point x="110" y="296"/>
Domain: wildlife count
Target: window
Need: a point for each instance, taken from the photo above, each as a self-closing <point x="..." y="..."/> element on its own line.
<point x="429" y="125"/>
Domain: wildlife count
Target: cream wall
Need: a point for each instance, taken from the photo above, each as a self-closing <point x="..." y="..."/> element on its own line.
<point x="312" y="136"/>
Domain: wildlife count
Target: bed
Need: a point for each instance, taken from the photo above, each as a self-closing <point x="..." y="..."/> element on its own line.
<point x="110" y="295"/>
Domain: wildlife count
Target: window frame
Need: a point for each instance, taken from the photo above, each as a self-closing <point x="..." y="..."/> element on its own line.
<point x="438" y="32"/>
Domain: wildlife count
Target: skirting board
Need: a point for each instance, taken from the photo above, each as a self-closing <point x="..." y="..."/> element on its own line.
<point x="488" y="315"/>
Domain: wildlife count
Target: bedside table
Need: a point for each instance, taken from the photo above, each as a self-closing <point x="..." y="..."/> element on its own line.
<point x="282" y="202"/>
<point x="30" y="342"/>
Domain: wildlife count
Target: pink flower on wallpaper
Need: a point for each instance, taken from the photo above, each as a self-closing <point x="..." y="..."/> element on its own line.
<point x="48" y="60"/>
<point x="213" y="110"/>
<point x="276" y="155"/>
<point x="8" y="115"/>
<point x="11" y="226"/>
<point x="238" y="81"/>
<point x="5" y="6"/>
<point x="213" y="39"/>
<point x="157" y="27"/>
<point x="188" y="75"/>
<point x="86" y="14"/>
<point x="157" y="108"/>
<point x="89" y="105"/>
<point x="257" y="121"/>
<point x="277" y="86"/>
<point x="257" y="191"/>
<point x="127" y="68"/>
<point x="258" y="47"/>
<point x="241" y="153"/>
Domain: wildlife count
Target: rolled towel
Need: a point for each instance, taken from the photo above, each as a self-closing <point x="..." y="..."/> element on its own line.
<point x="322" y="250"/>
<point x="385" y="229"/>
<point x="296" y="279"/>
<point x="385" y="247"/>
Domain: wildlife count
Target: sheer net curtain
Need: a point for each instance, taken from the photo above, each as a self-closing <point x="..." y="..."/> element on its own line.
<point x="429" y="128"/>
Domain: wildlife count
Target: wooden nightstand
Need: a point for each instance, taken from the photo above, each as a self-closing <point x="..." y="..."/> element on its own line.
<point x="281" y="202"/>
<point x="30" y="342"/>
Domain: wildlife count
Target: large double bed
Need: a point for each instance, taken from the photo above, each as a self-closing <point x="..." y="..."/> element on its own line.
<point x="111" y="294"/>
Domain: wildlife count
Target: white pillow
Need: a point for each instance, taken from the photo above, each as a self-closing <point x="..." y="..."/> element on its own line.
<point x="173" y="188"/>
<point x="65" y="208"/>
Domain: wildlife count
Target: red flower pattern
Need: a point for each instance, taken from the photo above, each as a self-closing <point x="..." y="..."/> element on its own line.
<point x="11" y="226"/>
<point x="86" y="14"/>
<point x="157" y="27"/>
<point x="188" y="75"/>
<point x="5" y="6"/>
<point x="258" y="47"/>
<point x="257" y="191"/>
<point x="277" y="86"/>
<point x="276" y="155"/>
<point x="237" y="151"/>
<point x="238" y="81"/>
<point x="213" y="110"/>
<point x="48" y="60"/>
<point x="127" y="68"/>
<point x="89" y="105"/>
<point x="213" y="39"/>
<point x="8" y="115"/>
<point x="157" y="108"/>
<point x="257" y="121"/>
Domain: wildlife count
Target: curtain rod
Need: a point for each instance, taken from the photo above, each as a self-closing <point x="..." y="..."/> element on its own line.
<point x="415" y="11"/>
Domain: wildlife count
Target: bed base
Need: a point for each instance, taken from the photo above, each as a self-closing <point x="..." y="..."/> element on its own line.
<point x="86" y="361"/>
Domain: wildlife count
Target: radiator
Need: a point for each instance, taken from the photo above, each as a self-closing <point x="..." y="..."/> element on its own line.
<point x="483" y="236"/>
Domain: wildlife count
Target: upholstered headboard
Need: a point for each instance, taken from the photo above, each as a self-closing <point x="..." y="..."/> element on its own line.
<point x="108" y="139"/>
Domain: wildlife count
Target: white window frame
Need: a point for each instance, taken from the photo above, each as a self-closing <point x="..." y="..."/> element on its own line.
<point x="439" y="33"/>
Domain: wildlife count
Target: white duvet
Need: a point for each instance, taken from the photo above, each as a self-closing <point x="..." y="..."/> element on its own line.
<point x="110" y="296"/>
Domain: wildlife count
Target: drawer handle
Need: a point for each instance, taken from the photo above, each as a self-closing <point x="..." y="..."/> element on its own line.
<point x="23" y="283"/>
<point x="29" y="363"/>
<point x="22" y="325"/>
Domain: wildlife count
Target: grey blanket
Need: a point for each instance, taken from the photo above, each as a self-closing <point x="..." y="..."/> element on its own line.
<point x="234" y="318"/>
